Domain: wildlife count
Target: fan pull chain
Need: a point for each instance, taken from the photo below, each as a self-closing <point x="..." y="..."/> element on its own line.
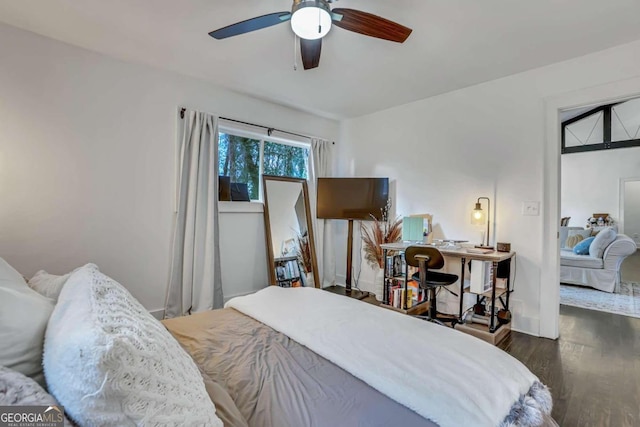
<point x="295" y="51"/>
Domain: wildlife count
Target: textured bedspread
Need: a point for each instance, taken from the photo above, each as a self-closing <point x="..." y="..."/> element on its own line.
<point x="275" y="381"/>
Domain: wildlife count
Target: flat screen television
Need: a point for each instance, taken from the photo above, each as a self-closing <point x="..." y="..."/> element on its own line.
<point x="352" y="198"/>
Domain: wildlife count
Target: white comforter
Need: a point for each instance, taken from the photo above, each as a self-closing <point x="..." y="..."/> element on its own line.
<point x="444" y="375"/>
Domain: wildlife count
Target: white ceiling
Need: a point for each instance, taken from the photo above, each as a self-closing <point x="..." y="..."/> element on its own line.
<point x="454" y="44"/>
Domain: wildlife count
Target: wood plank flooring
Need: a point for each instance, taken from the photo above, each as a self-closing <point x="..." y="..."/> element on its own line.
<point x="593" y="369"/>
<point x="630" y="269"/>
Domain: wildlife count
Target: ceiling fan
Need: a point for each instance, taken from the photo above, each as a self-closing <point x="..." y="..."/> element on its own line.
<point x="311" y="20"/>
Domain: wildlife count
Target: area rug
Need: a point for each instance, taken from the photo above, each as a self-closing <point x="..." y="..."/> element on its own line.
<point x="626" y="302"/>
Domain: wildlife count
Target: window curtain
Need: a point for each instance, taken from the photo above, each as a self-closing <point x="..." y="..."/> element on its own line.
<point x="321" y="157"/>
<point x="195" y="282"/>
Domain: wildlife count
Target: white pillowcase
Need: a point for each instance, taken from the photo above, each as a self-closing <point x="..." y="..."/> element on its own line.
<point x="23" y="318"/>
<point x="109" y="362"/>
<point x="48" y="285"/>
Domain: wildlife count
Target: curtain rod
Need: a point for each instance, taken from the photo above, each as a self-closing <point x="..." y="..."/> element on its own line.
<point x="269" y="129"/>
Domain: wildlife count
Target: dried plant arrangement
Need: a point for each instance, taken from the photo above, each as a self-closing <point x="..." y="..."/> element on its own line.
<point x="304" y="251"/>
<point x="382" y="231"/>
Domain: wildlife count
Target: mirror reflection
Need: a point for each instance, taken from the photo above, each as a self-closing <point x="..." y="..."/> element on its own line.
<point x="290" y="241"/>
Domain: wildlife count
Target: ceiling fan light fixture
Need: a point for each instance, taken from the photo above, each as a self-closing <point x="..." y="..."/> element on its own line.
<point x="311" y="19"/>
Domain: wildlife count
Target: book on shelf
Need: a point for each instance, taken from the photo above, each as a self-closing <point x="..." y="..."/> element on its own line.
<point x="395" y="265"/>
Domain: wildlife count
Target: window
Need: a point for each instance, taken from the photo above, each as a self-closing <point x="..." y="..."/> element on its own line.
<point x="245" y="157"/>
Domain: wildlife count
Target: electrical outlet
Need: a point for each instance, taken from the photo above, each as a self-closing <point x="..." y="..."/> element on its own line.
<point x="531" y="208"/>
<point x="636" y="235"/>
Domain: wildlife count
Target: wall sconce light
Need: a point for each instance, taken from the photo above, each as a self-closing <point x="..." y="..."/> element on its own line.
<point x="478" y="217"/>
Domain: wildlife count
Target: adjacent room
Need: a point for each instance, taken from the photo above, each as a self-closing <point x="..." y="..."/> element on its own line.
<point x="320" y="213"/>
<point x="601" y="192"/>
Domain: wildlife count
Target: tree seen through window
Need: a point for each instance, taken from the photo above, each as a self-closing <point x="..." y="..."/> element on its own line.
<point x="239" y="158"/>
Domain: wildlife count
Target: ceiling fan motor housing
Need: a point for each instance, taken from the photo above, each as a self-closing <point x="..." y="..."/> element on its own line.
<point x="311" y="19"/>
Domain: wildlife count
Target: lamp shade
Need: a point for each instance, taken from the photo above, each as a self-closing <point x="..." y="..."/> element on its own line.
<point x="311" y="19"/>
<point x="478" y="216"/>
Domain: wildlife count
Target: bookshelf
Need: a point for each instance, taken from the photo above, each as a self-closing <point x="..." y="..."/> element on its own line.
<point x="400" y="293"/>
<point x="288" y="271"/>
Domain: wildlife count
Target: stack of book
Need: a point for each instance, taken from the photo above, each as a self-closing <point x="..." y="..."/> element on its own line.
<point x="412" y="295"/>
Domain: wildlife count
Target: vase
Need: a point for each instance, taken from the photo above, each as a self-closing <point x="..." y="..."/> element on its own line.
<point x="311" y="283"/>
<point x="378" y="284"/>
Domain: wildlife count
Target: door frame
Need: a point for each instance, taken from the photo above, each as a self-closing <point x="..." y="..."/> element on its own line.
<point x="550" y="266"/>
<point x="623" y="181"/>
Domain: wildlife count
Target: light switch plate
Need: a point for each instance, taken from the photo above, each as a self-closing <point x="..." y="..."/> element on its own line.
<point x="531" y="208"/>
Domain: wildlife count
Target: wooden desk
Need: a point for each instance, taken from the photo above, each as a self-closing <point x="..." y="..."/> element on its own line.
<point x="495" y="257"/>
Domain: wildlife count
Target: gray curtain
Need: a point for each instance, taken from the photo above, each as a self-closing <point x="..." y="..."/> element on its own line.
<point x="195" y="282"/>
<point x="322" y="166"/>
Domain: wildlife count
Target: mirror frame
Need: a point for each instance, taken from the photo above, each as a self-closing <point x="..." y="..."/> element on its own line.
<point x="267" y="228"/>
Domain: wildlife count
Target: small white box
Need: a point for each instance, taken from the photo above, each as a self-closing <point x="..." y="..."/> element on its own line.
<point x="481" y="279"/>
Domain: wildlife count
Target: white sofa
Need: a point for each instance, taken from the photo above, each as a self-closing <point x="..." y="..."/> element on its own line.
<point x="599" y="273"/>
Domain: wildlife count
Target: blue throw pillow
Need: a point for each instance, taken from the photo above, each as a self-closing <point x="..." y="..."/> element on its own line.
<point x="582" y="248"/>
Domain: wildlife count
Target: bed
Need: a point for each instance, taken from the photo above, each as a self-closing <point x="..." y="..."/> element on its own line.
<point x="278" y="357"/>
<point x="274" y="380"/>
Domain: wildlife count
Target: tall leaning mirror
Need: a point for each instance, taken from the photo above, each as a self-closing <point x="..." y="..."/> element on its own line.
<point x="289" y="232"/>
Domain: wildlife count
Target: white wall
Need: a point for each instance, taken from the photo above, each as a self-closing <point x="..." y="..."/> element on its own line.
<point x="591" y="182"/>
<point x="87" y="165"/>
<point x="485" y="140"/>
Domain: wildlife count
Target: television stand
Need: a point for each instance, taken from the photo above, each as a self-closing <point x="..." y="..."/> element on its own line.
<point x="353" y="293"/>
<point x="347" y="290"/>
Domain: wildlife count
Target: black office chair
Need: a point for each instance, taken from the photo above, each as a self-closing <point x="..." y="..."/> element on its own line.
<point x="428" y="259"/>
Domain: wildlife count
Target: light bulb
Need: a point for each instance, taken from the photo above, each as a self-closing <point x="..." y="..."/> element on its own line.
<point x="311" y="22"/>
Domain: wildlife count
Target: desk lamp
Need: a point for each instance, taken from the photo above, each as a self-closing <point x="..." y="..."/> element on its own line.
<point x="478" y="218"/>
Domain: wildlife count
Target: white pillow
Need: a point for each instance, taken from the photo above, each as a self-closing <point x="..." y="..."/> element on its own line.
<point x="109" y="362"/>
<point x="604" y="238"/>
<point x="23" y="318"/>
<point x="9" y="276"/>
<point x="48" y="285"/>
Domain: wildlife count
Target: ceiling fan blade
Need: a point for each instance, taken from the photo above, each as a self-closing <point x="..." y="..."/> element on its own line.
<point x="249" y="25"/>
<point x="370" y="25"/>
<point x="310" y="50"/>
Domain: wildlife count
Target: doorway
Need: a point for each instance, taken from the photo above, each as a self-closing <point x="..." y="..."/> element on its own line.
<point x="550" y="266"/>
<point x="600" y="152"/>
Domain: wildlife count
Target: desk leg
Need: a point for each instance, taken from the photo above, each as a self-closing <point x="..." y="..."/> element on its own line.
<point x="492" y="327"/>
<point x="385" y="285"/>
<point x="509" y="282"/>
<point x="463" y="260"/>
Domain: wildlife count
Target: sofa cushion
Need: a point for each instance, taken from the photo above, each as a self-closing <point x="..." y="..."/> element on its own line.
<point x="569" y="259"/>
<point x="603" y="239"/>
<point x="582" y="248"/>
<point x="110" y="362"/>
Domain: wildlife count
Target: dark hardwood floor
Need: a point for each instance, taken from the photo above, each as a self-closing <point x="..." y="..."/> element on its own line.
<point x="593" y="369"/>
